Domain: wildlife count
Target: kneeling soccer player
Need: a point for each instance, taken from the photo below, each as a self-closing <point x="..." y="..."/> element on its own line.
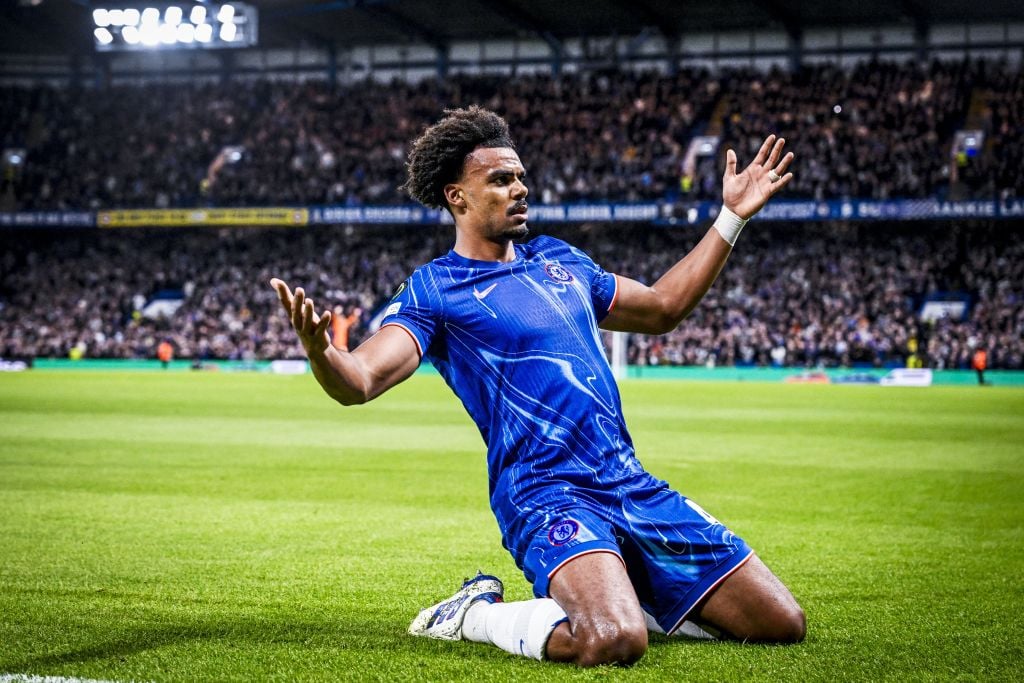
<point x="611" y="551"/>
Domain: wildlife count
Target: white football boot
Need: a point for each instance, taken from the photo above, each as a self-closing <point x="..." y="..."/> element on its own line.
<point x="444" y="620"/>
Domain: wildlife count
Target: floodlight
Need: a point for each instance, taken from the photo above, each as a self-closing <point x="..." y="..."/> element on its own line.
<point x="168" y="34"/>
<point x="204" y="33"/>
<point x="104" y="36"/>
<point x="149" y="35"/>
<point x="173" y="15"/>
<point x="184" y="24"/>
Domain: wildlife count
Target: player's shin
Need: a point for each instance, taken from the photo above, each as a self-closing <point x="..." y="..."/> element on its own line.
<point x="522" y="628"/>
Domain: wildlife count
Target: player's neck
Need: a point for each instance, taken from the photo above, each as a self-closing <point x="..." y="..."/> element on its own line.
<point x="481" y="249"/>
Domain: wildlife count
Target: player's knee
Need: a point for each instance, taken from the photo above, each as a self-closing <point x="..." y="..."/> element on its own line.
<point x="791" y="626"/>
<point x="799" y="625"/>
<point x="610" y="643"/>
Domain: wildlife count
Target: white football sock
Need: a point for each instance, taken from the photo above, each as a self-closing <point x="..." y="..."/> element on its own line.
<point x="522" y="628"/>
<point x="687" y="630"/>
<point x="691" y="630"/>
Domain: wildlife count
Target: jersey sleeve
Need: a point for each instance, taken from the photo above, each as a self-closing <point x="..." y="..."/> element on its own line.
<point x="604" y="286"/>
<point x="414" y="308"/>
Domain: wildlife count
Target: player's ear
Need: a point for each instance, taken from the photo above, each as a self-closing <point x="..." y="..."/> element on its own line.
<point x="455" y="195"/>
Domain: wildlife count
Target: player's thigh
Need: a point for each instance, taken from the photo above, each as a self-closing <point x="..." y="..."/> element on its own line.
<point x="675" y="552"/>
<point x="606" y="623"/>
<point x="595" y="587"/>
<point x="753" y="604"/>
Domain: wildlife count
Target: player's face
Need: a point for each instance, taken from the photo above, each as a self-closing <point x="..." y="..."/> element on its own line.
<point x="494" y="193"/>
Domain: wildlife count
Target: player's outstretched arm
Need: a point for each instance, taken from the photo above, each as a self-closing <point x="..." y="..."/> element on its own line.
<point x="384" y="360"/>
<point x="658" y="309"/>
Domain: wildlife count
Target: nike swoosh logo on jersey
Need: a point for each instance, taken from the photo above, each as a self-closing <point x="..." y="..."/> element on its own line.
<point x="483" y="295"/>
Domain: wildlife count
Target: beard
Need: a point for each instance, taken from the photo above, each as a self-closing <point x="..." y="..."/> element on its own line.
<point x="515" y="232"/>
<point x="519" y="230"/>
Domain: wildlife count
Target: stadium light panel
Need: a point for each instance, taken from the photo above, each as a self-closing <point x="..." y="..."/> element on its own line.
<point x="149" y="35"/>
<point x="168" y="34"/>
<point x="172" y="15"/>
<point x="204" y="33"/>
<point x="189" y="26"/>
<point x="186" y="33"/>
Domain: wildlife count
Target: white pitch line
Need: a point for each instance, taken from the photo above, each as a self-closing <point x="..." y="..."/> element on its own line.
<point x="30" y="678"/>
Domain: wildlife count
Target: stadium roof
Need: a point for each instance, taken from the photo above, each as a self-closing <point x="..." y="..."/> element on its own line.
<point x="65" y="26"/>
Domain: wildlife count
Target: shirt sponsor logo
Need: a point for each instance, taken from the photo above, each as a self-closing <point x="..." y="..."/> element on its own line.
<point x="558" y="273"/>
<point x="563" y="532"/>
<point x="393" y="308"/>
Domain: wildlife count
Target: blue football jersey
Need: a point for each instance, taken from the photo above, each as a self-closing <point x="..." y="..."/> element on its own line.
<point x="519" y="344"/>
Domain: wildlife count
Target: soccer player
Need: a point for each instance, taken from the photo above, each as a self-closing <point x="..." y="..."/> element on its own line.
<point x="610" y="550"/>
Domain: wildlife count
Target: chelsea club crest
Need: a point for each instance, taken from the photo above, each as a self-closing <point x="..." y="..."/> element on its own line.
<point x="558" y="273"/>
<point x="563" y="532"/>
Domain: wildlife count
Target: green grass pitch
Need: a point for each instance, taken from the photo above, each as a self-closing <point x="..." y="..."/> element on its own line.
<point x="244" y="527"/>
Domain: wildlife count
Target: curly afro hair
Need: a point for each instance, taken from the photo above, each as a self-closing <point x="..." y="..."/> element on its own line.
<point x="437" y="156"/>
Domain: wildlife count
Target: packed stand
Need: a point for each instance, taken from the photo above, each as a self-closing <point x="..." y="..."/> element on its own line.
<point x="846" y="296"/>
<point x="841" y="295"/>
<point x="88" y="289"/>
<point x="614" y="134"/>
<point x="879" y="130"/>
<point x="997" y="170"/>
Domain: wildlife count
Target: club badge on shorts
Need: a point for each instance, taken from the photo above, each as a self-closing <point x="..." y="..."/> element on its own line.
<point x="563" y="532"/>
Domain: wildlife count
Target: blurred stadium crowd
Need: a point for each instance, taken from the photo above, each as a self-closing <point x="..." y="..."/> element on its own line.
<point x="880" y="130"/>
<point x="795" y="295"/>
<point x="800" y="295"/>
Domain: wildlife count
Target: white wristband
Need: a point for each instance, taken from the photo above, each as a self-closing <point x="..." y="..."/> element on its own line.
<point x="729" y="225"/>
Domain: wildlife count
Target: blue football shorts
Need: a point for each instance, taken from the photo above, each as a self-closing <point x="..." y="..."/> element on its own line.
<point x="675" y="553"/>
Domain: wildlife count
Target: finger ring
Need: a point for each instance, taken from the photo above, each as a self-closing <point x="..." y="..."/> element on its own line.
<point x="773" y="176"/>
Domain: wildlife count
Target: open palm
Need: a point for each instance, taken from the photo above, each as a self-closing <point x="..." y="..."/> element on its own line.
<point x="745" y="193"/>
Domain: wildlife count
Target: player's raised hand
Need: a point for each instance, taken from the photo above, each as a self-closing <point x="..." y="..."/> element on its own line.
<point x="311" y="328"/>
<point x="745" y="193"/>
